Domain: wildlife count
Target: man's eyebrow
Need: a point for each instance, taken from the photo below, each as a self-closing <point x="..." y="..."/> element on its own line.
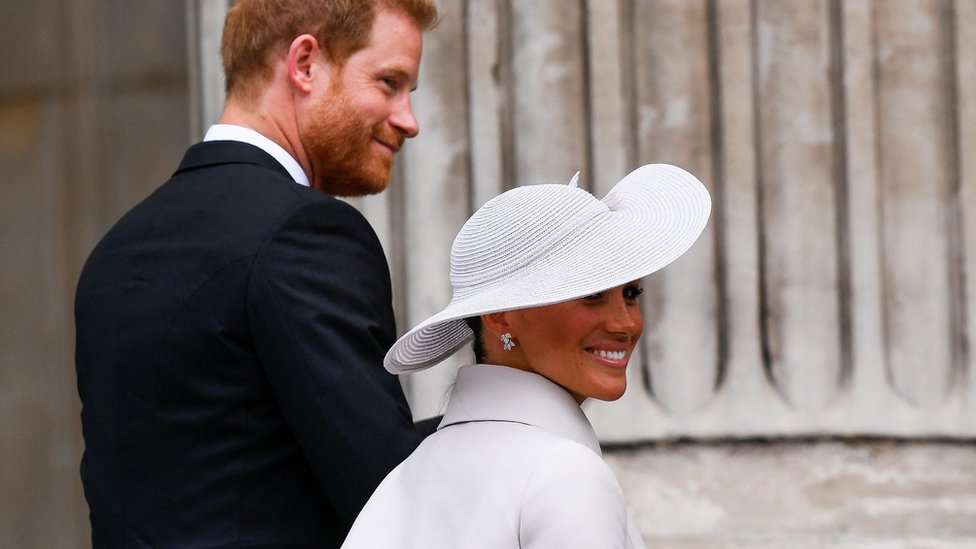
<point x="404" y="74"/>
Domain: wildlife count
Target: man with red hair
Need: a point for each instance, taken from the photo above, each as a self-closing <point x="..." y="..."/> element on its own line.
<point x="231" y="327"/>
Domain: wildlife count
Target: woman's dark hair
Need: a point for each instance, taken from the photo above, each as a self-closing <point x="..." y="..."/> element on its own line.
<point x="474" y="322"/>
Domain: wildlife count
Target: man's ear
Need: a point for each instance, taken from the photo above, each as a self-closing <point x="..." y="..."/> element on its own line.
<point x="301" y="60"/>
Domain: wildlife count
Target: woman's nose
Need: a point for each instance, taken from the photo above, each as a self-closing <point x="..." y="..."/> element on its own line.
<point x="624" y="317"/>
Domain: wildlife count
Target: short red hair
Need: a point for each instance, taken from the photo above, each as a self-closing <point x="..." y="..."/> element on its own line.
<point x="256" y="31"/>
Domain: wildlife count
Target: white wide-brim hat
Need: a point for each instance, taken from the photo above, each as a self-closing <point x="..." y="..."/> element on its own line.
<point x="543" y="244"/>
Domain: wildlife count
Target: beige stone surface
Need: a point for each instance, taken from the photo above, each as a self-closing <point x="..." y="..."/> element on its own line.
<point x="866" y="494"/>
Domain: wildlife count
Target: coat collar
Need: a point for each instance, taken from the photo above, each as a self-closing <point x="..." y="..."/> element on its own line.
<point x="486" y="392"/>
<point x="231" y="132"/>
<point x="213" y="153"/>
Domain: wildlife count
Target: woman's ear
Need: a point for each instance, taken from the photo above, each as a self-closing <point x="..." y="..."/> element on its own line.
<point x="495" y="323"/>
<point x="301" y="59"/>
<point x="497" y="339"/>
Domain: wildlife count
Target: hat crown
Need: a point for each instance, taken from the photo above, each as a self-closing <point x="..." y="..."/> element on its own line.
<point x="515" y="230"/>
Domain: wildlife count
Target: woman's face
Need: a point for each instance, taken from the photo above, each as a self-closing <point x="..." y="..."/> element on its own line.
<point x="583" y="345"/>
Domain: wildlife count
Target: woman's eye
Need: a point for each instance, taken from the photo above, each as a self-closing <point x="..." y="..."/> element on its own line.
<point x="593" y="297"/>
<point x="633" y="292"/>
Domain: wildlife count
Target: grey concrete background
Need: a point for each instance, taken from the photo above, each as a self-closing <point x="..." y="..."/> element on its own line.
<point x="802" y="494"/>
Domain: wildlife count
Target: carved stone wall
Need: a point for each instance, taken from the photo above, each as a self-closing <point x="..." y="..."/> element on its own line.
<point x="833" y="291"/>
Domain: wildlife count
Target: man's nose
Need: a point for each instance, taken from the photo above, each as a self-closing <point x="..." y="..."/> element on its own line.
<point x="403" y="119"/>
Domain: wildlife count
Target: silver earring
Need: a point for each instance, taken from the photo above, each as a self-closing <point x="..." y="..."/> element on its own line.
<point x="507" y="342"/>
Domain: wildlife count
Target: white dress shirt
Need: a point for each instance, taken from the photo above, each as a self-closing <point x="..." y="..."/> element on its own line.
<point x="514" y="464"/>
<point x="231" y="132"/>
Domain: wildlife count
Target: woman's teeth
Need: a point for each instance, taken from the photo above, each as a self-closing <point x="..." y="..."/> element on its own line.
<point x="611" y="355"/>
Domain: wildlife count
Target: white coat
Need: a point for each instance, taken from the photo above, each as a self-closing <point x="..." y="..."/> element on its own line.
<point x="514" y="464"/>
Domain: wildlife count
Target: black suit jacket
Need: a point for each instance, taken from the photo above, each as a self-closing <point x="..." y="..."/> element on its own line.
<point x="230" y="335"/>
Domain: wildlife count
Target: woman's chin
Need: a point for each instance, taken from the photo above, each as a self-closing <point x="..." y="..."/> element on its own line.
<point x="610" y="394"/>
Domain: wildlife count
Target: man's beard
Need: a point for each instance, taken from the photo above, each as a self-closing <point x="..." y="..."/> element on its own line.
<point x="343" y="152"/>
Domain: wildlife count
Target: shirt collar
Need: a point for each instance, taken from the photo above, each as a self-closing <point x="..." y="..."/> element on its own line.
<point x="231" y="132"/>
<point x="485" y="392"/>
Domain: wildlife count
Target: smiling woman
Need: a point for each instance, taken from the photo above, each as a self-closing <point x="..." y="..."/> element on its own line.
<point x="582" y="345"/>
<point x="546" y="285"/>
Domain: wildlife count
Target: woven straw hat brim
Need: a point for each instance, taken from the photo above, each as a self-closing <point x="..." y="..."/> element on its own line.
<point x="544" y="244"/>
